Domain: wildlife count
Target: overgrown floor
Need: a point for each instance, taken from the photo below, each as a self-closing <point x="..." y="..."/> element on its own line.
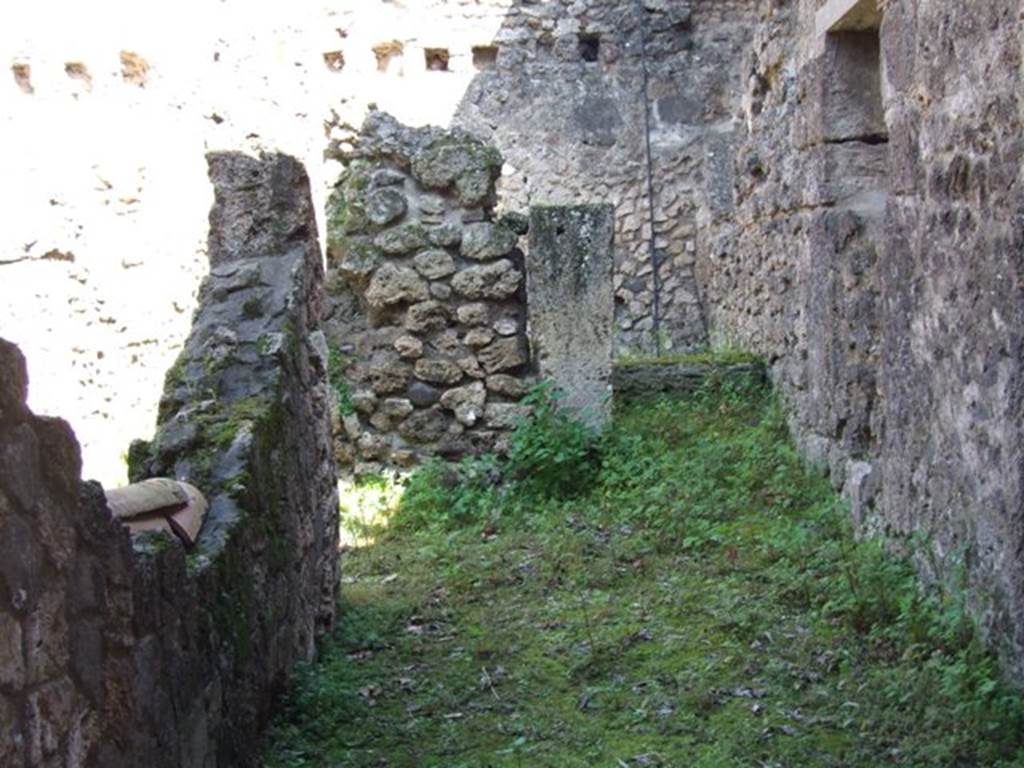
<point x="688" y="596"/>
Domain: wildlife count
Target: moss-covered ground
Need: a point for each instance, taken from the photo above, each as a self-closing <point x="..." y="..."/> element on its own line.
<point x="681" y="592"/>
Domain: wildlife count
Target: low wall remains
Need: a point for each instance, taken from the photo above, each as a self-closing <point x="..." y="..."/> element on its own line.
<point x="426" y="299"/>
<point x="126" y="651"/>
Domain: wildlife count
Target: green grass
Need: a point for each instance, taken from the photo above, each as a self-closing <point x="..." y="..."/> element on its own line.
<point x="698" y="601"/>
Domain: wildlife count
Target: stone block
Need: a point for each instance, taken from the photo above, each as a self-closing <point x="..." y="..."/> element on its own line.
<point x="571" y="308"/>
<point x="434" y="264"/>
<point x="438" y="371"/>
<point x="504" y="354"/>
<point x="848" y="15"/>
<point x="391" y="284"/>
<point x="467" y="402"/>
<point x="486" y="241"/>
<point x="499" y="280"/>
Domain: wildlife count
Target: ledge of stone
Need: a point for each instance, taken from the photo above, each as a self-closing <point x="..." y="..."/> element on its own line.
<point x="848" y="16"/>
<point x="645" y="378"/>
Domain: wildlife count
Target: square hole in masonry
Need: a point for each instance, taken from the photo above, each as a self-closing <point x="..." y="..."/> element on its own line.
<point x="590" y="46"/>
<point x="436" y="59"/>
<point x="335" y="60"/>
<point x="485" y="57"/>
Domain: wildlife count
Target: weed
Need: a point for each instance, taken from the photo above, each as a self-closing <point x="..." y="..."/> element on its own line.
<point x="551" y="453"/>
<point x="551" y="456"/>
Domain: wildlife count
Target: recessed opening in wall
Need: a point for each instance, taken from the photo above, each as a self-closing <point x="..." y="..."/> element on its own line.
<point x="436" y="59"/>
<point x="389" y="56"/>
<point x="76" y="70"/>
<point x="134" y="68"/>
<point x="23" y="77"/>
<point x="590" y="46"/>
<point x="853" y="106"/>
<point x="335" y="60"/>
<point x="485" y="57"/>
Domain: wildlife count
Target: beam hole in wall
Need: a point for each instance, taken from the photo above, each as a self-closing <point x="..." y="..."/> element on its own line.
<point x="23" y="77"/>
<point x="485" y="57"/>
<point x="76" y="70"/>
<point x="389" y="56"/>
<point x="589" y="46"/>
<point x="436" y="59"/>
<point x="335" y="60"/>
<point x="134" y="68"/>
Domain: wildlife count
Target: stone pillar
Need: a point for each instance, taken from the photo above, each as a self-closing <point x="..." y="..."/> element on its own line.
<point x="570" y="306"/>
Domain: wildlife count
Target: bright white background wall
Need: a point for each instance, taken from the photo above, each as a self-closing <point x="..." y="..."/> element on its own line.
<point x="112" y="174"/>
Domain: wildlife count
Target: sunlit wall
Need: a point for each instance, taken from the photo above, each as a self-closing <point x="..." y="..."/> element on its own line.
<point x="106" y="111"/>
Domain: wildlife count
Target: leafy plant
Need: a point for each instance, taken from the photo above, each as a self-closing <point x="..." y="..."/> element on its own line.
<point x="551" y="452"/>
<point x="551" y="456"/>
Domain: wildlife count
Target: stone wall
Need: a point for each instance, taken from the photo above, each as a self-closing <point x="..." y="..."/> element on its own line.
<point x="426" y="297"/>
<point x="121" y="652"/>
<point x="103" y="245"/>
<point x="65" y="593"/>
<point x="871" y="251"/>
<point x="102" y="282"/>
<point x="565" y="103"/>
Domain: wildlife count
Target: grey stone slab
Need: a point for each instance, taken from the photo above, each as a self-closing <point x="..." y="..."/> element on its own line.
<point x="570" y="305"/>
<point x="848" y="15"/>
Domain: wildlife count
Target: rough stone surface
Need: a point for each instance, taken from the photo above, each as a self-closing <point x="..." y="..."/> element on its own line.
<point x="422" y="394"/>
<point x="473" y="314"/>
<point x="572" y="130"/>
<point x="478" y="337"/>
<point x="395" y="285"/>
<point x="411" y="299"/>
<point x="499" y="280"/>
<point x="387" y="375"/>
<point x="571" y="308"/>
<point x="438" y="371"/>
<point x="434" y="264"/>
<point x="409" y="347"/>
<point x="127" y="648"/>
<point x="486" y="241"/>
<point x="467" y="402"/>
<point x="503" y="384"/>
<point x="427" y="316"/>
<point x="424" y="426"/>
<point x="837" y="249"/>
<point x="503" y="355"/>
<point x="384" y="206"/>
<point x="503" y="415"/>
<point x="402" y="240"/>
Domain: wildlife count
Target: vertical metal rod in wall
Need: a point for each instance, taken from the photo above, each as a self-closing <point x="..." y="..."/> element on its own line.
<point x="656" y="276"/>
